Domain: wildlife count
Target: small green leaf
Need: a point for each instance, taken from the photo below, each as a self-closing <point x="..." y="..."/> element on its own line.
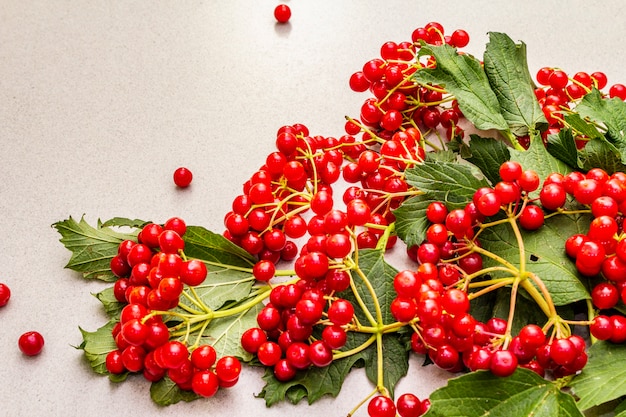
<point x="480" y="394"/>
<point x="411" y="221"/>
<point x="92" y="248"/>
<point x="488" y="154"/>
<point x="112" y="307"/>
<point x="166" y="392"/>
<point x="463" y="77"/>
<point x="604" y="377"/>
<point x="507" y="70"/>
<point x="124" y="222"/>
<point x="452" y="183"/>
<point x="208" y="246"/>
<point x="563" y="147"/>
<point x="97" y="345"/>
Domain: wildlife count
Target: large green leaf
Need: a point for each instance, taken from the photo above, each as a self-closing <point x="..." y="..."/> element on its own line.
<point x="463" y="77"/>
<point x="507" y="70"/>
<point x="92" y="247"/>
<point x="452" y="183"/>
<point x="481" y="394"/>
<point x="545" y="254"/>
<point x="604" y="377"/>
<point x="221" y="286"/>
<point x="599" y="153"/>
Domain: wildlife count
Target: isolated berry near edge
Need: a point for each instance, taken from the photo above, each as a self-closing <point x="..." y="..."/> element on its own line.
<point x="282" y="13"/>
<point x="182" y="177"/>
<point x="5" y="294"/>
<point x="31" y="343"/>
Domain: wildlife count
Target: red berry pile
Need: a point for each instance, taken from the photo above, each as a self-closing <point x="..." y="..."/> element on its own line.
<point x="152" y="273"/>
<point x="318" y="205"/>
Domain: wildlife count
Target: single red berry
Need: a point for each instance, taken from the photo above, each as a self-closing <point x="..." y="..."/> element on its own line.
<point x="5" y="294"/>
<point x="182" y="177"/>
<point x="282" y="13"/>
<point x="31" y="343"/>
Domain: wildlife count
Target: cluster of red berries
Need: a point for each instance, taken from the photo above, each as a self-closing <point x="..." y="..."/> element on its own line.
<point x="558" y="93"/>
<point x="283" y="339"/>
<point x="399" y="102"/>
<point x="152" y="274"/>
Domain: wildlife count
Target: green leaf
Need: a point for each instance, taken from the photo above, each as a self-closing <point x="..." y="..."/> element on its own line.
<point x="97" y="345"/>
<point x="463" y="77"/>
<point x="507" y="70"/>
<point x="223" y="285"/>
<point x="125" y="222"/>
<point x="539" y="159"/>
<point x="599" y="153"/>
<point x="208" y="246"/>
<point x="92" y="248"/>
<point x="604" y="377"/>
<point x="488" y="154"/>
<point x="166" y="392"/>
<point x="452" y="183"/>
<point x="112" y="307"/>
<point x="224" y="333"/>
<point x="608" y="112"/>
<point x="545" y="254"/>
<point x="579" y="125"/>
<point x="380" y="275"/>
<point x="480" y="394"/>
<point x="411" y="221"/>
<point x="563" y="147"/>
<point x="314" y="383"/>
<point x="376" y="290"/>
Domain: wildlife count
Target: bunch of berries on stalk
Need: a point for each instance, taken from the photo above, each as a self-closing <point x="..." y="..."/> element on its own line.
<point x="435" y="297"/>
<point x="152" y="274"/>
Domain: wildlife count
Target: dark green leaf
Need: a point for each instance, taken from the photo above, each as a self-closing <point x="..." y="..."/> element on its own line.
<point x="599" y="153"/>
<point x="212" y="247"/>
<point x="563" y="147"/>
<point x="166" y="392"/>
<point x="92" y="248"/>
<point x="452" y="183"/>
<point x="507" y="70"/>
<point x="411" y="221"/>
<point x="480" y="394"/>
<point x="314" y="383"/>
<point x="488" y="154"/>
<point x="545" y="254"/>
<point x="463" y="77"/>
<point x="582" y="127"/>
<point x="604" y="377"/>
<point x="112" y="307"/>
<point x="97" y="345"/>
<point x="608" y="112"/>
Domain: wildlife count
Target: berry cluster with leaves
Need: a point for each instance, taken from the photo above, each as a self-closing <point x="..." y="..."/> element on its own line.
<point x="515" y="241"/>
